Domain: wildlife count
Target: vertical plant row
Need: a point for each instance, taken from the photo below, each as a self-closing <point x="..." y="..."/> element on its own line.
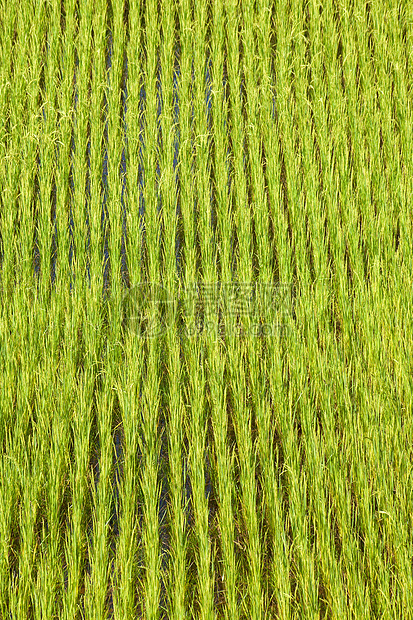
<point x="205" y="309"/>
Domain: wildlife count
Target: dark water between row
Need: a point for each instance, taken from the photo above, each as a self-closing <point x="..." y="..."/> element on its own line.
<point x="123" y="168"/>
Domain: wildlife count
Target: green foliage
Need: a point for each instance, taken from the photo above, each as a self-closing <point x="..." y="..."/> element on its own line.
<point x="205" y="309"/>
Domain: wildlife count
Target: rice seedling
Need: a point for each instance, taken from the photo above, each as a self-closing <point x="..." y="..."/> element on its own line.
<point x="205" y="309"/>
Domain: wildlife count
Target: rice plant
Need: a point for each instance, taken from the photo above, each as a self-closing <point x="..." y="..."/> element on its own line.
<point x="205" y="309"/>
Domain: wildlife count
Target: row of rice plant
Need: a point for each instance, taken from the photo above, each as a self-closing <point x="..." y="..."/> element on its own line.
<point x="205" y="317"/>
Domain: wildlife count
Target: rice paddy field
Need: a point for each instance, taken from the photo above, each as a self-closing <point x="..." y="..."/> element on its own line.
<point x="206" y="335"/>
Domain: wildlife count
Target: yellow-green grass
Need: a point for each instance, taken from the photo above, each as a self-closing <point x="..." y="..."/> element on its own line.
<point x="166" y="455"/>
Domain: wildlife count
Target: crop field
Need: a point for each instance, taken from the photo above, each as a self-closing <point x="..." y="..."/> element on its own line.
<point x="206" y="321"/>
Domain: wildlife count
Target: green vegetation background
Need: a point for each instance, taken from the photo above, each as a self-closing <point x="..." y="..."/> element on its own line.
<point x="213" y="470"/>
